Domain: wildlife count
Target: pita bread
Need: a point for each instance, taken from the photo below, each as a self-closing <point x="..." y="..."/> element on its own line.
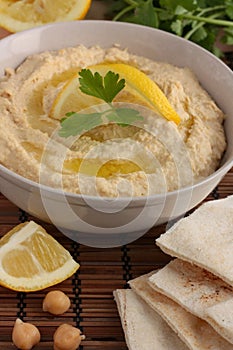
<point x="194" y="332"/>
<point x="144" y="329"/>
<point x="221" y="315"/>
<point x="199" y="292"/>
<point x="204" y="238"/>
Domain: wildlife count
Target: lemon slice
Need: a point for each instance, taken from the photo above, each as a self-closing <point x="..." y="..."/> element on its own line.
<point x="19" y="15"/>
<point x="31" y="259"/>
<point x="139" y="89"/>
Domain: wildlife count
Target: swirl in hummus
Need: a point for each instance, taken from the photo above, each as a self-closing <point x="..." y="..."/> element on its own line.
<point x="120" y="161"/>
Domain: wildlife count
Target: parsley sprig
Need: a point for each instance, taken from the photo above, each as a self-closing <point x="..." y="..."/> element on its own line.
<point x="196" y="20"/>
<point x="105" y="88"/>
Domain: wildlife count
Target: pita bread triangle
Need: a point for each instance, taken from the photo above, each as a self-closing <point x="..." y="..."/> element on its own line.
<point x="204" y="238"/>
<point x="194" y="332"/>
<point x="199" y="292"/>
<point x="144" y="329"/>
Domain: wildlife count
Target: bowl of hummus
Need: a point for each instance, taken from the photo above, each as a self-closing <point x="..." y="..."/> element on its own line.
<point x="110" y="183"/>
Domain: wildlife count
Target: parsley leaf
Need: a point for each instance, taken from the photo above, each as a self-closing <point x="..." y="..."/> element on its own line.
<point x="199" y="35"/>
<point x="146" y="15"/>
<point x="76" y="123"/>
<point x="177" y="27"/>
<point x="104" y="88"/>
<point x="124" y="116"/>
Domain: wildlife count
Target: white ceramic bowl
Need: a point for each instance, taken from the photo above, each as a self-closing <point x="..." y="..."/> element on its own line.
<point x="99" y="221"/>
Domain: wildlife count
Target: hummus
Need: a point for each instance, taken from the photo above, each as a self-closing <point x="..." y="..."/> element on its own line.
<point x="152" y="157"/>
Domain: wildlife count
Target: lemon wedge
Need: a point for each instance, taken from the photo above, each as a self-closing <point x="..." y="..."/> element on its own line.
<point x="71" y="99"/>
<point x="139" y="89"/>
<point x="31" y="259"/>
<point x="20" y="15"/>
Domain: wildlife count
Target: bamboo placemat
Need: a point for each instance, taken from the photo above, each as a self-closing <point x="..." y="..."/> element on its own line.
<point x="93" y="309"/>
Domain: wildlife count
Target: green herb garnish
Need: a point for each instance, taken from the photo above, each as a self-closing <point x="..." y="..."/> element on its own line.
<point x="105" y="88"/>
<point x="197" y="20"/>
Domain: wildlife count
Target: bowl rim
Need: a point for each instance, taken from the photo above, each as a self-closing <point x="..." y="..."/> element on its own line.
<point x="86" y="22"/>
<point x="221" y="171"/>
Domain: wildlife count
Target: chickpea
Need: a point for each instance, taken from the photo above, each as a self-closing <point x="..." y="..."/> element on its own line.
<point x="25" y="335"/>
<point x="67" y="337"/>
<point x="56" y="302"/>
